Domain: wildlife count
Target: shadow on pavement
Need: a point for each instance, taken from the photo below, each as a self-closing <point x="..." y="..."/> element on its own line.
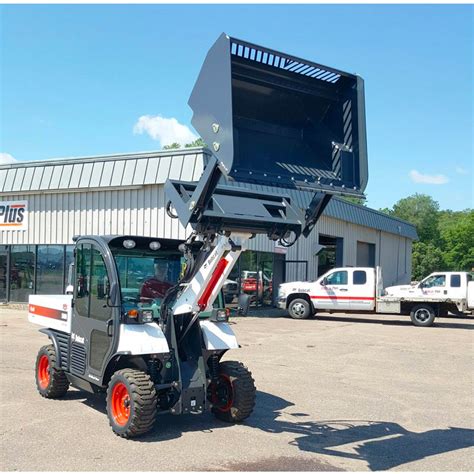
<point x="396" y="322"/>
<point x="382" y="445"/>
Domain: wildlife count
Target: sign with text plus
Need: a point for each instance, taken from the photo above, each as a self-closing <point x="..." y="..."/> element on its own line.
<point x="13" y="215"/>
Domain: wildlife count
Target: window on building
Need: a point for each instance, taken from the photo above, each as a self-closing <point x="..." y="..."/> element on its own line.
<point x="49" y="269"/>
<point x="3" y="272"/>
<point x="455" y="281"/>
<point x="69" y="257"/>
<point x="337" y="278"/>
<point x="359" y="277"/>
<point x="22" y="272"/>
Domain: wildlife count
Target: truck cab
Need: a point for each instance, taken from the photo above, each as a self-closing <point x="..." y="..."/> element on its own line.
<point x="452" y="285"/>
<point x="346" y="289"/>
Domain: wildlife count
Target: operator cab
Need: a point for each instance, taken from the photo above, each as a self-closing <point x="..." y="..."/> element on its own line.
<point x="147" y="268"/>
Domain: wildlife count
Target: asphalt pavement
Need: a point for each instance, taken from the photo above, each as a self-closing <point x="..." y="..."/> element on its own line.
<point x="365" y="392"/>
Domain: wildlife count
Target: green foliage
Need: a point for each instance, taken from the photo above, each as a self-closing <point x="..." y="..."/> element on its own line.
<point x="173" y="146"/>
<point x="446" y="238"/>
<point x="426" y="258"/>
<point x="422" y="211"/>
<point x="355" y="200"/>
<point x="195" y="143"/>
<point x="457" y="234"/>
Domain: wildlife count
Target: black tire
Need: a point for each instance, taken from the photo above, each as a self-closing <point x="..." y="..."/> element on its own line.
<point x="135" y="413"/>
<point x="50" y="382"/>
<point x="299" y="308"/>
<point x="422" y="315"/>
<point x="233" y="396"/>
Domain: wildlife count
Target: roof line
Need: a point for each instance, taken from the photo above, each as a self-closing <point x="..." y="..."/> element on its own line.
<point x="131" y="155"/>
<point x="374" y="211"/>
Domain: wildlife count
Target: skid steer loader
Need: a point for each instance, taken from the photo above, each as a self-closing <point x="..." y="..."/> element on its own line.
<point x="270" y="120"/>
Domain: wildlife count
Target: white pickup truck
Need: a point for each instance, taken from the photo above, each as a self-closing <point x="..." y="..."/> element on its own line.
<point x="360" y="289"/>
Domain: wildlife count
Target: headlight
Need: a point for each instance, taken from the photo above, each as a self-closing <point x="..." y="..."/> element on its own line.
<point x="281" y="293"/>
<point x="147" y="316"/>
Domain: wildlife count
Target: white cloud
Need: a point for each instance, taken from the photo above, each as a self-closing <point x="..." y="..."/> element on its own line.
<point x="165" y="130"/>
<point x="6" y="158"/>
<point x="460" y="170"/>
<point x="418" y="177"/>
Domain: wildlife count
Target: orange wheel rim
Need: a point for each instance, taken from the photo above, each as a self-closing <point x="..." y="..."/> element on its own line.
<point x="120" y="404"/>
<point x="222" y="393"/>
<point x="43" y="372"/>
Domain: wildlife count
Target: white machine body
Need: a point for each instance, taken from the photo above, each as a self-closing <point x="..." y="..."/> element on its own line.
<point x="51" y="311"/>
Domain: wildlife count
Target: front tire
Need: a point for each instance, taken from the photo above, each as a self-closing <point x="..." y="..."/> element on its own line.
<point x="422" y="315"/>
<point x="233" y="396"/>
<point x="50" y="381"/>
<point x="300" y="308"/>
<point x="131" y="403"/>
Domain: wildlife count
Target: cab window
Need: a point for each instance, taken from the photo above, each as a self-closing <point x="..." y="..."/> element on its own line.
<point x="359" y="277"/>
<point x="337" y="278"/>
<point x="455" y="281"/>
<point x="434" y="281"/>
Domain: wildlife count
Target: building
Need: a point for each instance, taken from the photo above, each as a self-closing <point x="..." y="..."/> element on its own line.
<point x="43" y="204"/>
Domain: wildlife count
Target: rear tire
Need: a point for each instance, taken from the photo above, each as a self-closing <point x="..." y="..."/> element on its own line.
<point x="422" y="315"/>
<point x="131" y="403"/>
<point x="300" y="308"/>
<point x="233" y="396"/>
<point x="50" y="381"/>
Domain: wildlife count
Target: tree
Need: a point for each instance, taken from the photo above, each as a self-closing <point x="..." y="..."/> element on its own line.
<point x="173" y="146"/>
<point x="422" y="211"/>
<point x="457" y="234"/>
<point x="195" y="143"/>
<point x="355" y="200"/>
<point x="427" y="258"/>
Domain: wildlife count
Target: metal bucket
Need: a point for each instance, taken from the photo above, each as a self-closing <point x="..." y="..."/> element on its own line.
<point x="277" y="120"/>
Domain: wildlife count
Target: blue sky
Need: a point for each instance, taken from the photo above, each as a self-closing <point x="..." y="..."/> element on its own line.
<point x="75" y="80"/>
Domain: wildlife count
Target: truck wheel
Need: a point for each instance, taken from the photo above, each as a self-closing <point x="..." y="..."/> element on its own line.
<point x="51" y="382"/>
<point x="300" y="308"/>
<point x="233" y="396"/>
<point x="131" y="403"/>
<point x="422" y="315"/>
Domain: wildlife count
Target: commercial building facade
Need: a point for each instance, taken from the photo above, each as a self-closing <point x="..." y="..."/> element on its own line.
<point x="46" y="203"/>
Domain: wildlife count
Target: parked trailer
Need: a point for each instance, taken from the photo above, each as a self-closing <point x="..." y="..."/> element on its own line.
<point x="360" y="289"/>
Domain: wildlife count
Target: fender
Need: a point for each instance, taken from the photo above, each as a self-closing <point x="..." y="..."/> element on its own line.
<point x="141" y="339"/>
<point x="52" y="337"/>
<point x="218" y="336"/>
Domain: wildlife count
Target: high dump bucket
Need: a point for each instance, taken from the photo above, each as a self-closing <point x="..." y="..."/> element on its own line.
<point x="274" y="119"/>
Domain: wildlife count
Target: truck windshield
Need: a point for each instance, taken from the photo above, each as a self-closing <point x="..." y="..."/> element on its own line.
<point x="145" y="277"/>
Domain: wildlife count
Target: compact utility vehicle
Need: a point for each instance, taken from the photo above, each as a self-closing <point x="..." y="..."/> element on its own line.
<point x="129" y="329"/>
<point x="357" y="289"/>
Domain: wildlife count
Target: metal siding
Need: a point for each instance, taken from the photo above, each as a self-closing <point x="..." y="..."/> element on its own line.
<point x="129" y="171"/>
<point x="9" y="180"/>
<point x="3" y="176"/>
<point x="66" y="176"/>
<point x="107" y="172"/>
<point x="96" y="174"/>
<point x="56" y="177"/>
<point x="46" y="178"/>
<point x="140" y="171"/>
<point x="117" y="175"/>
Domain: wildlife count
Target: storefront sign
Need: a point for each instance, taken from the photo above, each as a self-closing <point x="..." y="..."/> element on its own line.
<point x="13" y="215"/>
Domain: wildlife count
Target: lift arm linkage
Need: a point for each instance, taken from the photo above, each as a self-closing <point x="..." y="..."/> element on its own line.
<point x="201" y="291"/>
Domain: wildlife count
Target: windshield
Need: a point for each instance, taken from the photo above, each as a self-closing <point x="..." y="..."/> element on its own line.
<point x="145" y="277"/>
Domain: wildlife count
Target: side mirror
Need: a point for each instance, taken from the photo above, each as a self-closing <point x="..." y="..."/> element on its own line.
<point x="244" y="304"/>
<point x="324" y="281"/>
